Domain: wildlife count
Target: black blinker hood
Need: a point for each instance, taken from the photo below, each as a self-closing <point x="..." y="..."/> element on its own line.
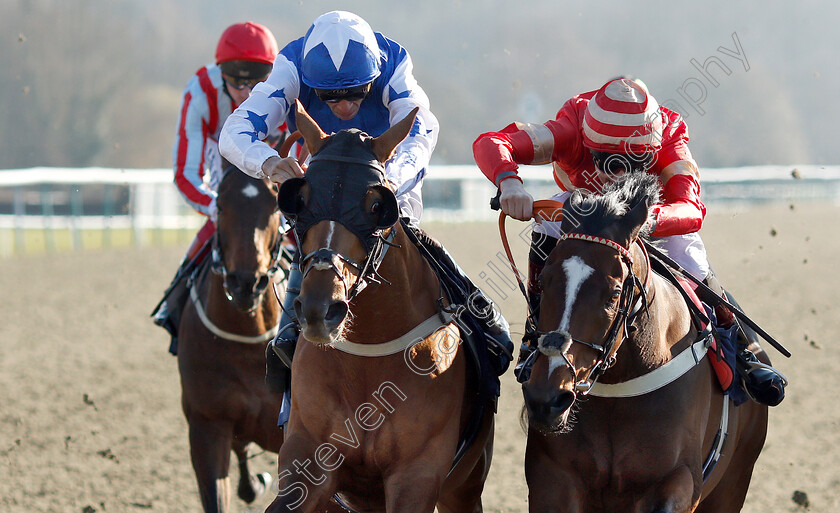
<point x="339" y="177"/>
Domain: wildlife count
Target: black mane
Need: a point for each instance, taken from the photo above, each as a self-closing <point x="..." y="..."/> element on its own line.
<point x="590" y="214"/>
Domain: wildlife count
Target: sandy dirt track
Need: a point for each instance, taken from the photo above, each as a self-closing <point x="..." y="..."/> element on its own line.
<point x="90" y="416"/>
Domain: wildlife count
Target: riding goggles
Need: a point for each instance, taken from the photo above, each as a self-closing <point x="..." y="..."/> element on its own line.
<point x="241" y="83"/>
<point x="615" y="164"/>
<point x="350" y="94"/>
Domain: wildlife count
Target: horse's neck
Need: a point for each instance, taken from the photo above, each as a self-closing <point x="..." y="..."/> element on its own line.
<point x="657" y="335"/>
<point x="384" y="312"/>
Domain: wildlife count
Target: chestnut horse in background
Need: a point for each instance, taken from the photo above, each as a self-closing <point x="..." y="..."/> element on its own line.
<point x="225" y="326"/>
<point x="656" y="433"/>
<point x="381" y="389"/>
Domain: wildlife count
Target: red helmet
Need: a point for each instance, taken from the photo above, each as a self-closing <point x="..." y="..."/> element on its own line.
<point x="247" y="41"/>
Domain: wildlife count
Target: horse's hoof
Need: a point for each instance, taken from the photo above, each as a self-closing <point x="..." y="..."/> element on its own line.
<point x="265" y="481"/>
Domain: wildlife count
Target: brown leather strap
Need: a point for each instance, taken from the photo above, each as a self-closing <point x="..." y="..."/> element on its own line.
<point x="547" y="210"/>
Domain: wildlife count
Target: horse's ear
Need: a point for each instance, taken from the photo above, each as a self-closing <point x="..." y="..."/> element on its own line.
<point x="384" y="145"/>
<point x="571" y="212"/>
<point x="291" y="198"/>
<point x="312" y="133"/>
<point x="635" y="219"/>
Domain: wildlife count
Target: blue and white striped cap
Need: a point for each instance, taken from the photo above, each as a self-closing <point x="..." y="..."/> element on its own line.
<point x="339" y="51"/>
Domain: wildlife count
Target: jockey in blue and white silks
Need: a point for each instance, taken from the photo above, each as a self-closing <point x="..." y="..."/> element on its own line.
<point x="346" y="76"/>
<point x="340" y="59"/>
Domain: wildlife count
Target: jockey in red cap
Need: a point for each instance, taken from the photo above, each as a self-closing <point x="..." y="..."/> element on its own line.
<point x="245" y="54"/>
<point x="595" y="137"/>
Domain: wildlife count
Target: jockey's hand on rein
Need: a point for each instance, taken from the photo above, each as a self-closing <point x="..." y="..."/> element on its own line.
<point x="278" y="169"/>
<point x="515" y="200"/>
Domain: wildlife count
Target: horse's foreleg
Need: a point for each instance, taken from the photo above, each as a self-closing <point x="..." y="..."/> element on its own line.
<point x="413" y="490"/>
<point x="464" y="496"/>
<point x="551" y="488"/>
<point x="210" y="445"/>
<point x="302" y="485"/>
<point x="676" y="493"/>
<point x="250" y="486"/>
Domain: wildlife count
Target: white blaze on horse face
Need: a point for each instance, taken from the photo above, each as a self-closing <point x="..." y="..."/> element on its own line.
<point x="326" y="266"/>
<point x="250" y="191"/>
<point x="576" y="273"/>
<point x="330" y="235"/>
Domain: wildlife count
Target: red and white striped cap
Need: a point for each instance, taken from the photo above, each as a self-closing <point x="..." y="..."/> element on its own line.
<point x="622" y="118"/>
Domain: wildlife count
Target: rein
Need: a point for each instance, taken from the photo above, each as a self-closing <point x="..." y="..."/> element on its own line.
<point x="548" y="210"/>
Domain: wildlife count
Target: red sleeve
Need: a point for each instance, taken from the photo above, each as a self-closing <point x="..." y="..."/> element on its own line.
<point x="674" y="141"/>
<point x="499" y="153"/>
<point x="682" y="211"/>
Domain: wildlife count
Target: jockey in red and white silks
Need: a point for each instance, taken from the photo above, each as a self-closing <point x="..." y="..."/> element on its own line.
<point x="595" y="135"/>
<point x="346" y="76"/>
<point x="244" y="56"/>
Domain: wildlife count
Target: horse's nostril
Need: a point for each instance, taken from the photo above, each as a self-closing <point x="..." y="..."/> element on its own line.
<point x="241" y="283"/>
<point x="232" y="282"/>
<point x="336" y="313"/>
<point x="562" y="402"/>
<point x="261" y="284"/>
<point x="298" y="307"/>
<point x="547" y="409"/>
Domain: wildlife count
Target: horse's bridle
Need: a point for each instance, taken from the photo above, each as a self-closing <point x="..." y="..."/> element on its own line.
<point x="217" y="265"/>
<point x="629" y="305"/>
<point x="328" y="259"/>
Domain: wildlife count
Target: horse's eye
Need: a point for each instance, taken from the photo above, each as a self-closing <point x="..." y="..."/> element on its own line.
<point x="616" y="294"/>
<point x="376" y="207"/>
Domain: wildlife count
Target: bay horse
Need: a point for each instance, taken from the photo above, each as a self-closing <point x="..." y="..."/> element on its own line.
<point x="624" y="412"/>
<point x="381" y="389"/>
<point x="224" y="329"/>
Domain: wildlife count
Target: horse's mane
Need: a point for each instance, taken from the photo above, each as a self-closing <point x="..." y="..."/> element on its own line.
<point x="591" y="213"/>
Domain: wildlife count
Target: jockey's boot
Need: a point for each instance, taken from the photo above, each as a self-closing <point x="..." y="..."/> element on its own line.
<point x="281" y="350"/>
<point x="167" y="314"/>
<point x="541" y="246"/>
<point x="480" y="307"/>
<point x="763" y="383"/>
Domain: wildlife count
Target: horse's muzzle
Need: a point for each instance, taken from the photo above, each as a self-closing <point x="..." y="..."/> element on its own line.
<point x="548" y="412"/>
<point x="245" y="290"/>
<point x="320" y="322"/>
